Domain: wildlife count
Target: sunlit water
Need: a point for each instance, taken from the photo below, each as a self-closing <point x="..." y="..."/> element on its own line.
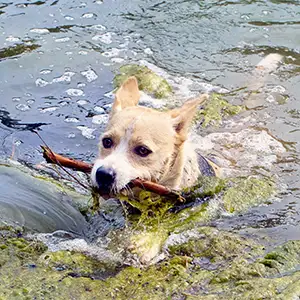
<point x="73" y="48"/>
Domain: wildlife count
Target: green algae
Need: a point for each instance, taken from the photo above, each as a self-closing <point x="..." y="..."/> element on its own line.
<point x="212" y="196"/>
<point x="78" y="264"/>
<point x="11" y="244"/>
<point x="199" y="262"/>
<point x="284" y="258"/>
<point x="234" y="195"/>
<point x="17" y="50"/>
<point x="20" y="277"/>
<point x="205" y="186"/>
<point x="216" y="246"/>
<point x="275" y="276"/>
<point x="247" y="192"/>
<point x="216" y="109"/>
<point x="259" y="280"/>
<point x="180" y="275"/>
<point x="148" y="81"/>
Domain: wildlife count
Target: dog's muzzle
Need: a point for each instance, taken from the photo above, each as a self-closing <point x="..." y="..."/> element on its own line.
<point x="105" y="178"/>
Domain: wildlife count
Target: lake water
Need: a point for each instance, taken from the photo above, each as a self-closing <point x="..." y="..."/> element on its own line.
<point x="60" y="74"/>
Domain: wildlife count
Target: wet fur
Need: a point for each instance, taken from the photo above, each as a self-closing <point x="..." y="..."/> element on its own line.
<point x="173" y="161"/>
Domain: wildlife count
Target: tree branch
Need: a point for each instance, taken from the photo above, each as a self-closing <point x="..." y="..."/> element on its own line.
<point x="77" y="165"/>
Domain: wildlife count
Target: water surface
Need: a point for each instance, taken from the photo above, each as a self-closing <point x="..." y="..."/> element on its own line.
<point x="59" y="77"/>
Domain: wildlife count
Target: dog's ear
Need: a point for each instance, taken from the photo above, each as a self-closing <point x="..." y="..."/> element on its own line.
<point x="183" y="116"/>
<point x="127" y="95"/>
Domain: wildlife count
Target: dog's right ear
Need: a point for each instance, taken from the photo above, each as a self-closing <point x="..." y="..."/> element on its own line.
<point x="127" y="95"/>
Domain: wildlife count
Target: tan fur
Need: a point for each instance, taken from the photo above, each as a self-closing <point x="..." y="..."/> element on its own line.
<point x="173" y="161"/>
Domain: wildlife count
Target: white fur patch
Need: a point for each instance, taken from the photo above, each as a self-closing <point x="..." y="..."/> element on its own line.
<point x="118" y="161"/>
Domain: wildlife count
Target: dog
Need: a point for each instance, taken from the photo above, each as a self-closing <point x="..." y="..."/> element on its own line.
<point x="140" y="142"/>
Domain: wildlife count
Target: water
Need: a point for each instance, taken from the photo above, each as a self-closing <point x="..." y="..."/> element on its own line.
<point x="34" y="204"/>
<point x="60" y="80"/>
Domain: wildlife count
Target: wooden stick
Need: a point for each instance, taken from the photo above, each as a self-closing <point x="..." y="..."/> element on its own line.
<point x="77" y="165"/>
<point x="70" y="163"/>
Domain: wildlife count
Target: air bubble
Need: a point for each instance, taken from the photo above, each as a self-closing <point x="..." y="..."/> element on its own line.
<point x="90" y="75"/>
<point x="69" y="18"/>
<point x="41" y="82"/>
<point x="66" y="77"/>
<point x="88" y="16"/>
<point x="100" y="119"/>
<point x="71" y="120"/>
<point x="71" y="135"/>
<point x="12" y="39"/>
<point x="87" y="132"/>
<point x="62" y="40"/>
<point x="75" y="92"/>
<point x="39" y="30"/>
<point x="49" y="109"/>
<point x="45" y="71"/>
<point x="22" y="107"/>
<point x="99" y="110"/>
<point x="30" y="101"/>
<point x="82" y="102"/>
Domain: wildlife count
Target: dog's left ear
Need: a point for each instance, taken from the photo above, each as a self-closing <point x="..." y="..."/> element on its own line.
<point x="183" y="116"/>
<point x="127" y="95"/>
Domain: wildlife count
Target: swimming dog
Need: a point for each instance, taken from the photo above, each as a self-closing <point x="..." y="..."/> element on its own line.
<point x="141" y="142"/>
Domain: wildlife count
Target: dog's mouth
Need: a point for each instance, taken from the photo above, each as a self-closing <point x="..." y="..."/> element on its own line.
<point x="107" y="193"/>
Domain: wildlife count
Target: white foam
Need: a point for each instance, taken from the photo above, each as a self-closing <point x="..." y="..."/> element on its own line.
<point x="90" y="75"/>
<point x="12" y="39"/>
<point x="75" y="92"/>
<point x="99" y="110"/>
<point x="88" y="16"/>
<point x="22" y="107"/>
<point x="48" y="109"/>
<point x="113" y="52"/>
<point x="82" y="102"/>
<point x="71" y="120"/>
<point x="39" y="30"/>
<point x="98" y="27"/>
<point x="66" y="77"/>
<point x="40" y="82"/>
<point x="45" y="71"/>
<point x="87" y="132"/>
<point x="105" y="38"/>
<point x="62" y="40"/>
<point x="100" y="119"/>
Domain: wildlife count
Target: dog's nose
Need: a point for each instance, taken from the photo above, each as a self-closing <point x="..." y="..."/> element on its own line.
<point x="105" y="178"/>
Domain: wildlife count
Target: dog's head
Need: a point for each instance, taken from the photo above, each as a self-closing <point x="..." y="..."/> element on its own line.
<point x="140" y="142"/>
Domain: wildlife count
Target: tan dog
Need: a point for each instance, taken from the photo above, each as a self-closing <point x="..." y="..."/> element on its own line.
<point x="140" y="142"/>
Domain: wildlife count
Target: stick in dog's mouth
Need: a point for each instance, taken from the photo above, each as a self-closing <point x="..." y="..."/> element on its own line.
<point x="77" y="165"/>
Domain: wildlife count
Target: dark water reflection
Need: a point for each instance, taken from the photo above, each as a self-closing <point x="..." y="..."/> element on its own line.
<point x="32" y="204"/>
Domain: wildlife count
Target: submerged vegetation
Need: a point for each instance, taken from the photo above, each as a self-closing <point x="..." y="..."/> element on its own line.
<point x="216" y="109"/>
<point x="17" y="50"/>
<point x="149" y="81"/>
<point x="202" y="263"/>
<point x="197" y="261"/>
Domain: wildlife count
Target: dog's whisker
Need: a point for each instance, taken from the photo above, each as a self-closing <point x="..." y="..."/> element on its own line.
<point x="130" y="191"/>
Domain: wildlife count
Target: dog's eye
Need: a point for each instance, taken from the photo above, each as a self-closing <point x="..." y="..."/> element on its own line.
<point x="142" y="151"/>
<point x="107" y="143"/>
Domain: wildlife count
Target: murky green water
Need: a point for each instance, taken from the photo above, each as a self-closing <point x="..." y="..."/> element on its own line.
<point x="57" y="76"/>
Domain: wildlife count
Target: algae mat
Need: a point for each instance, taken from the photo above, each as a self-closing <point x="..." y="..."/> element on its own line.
<point x="199" y="262"/>
<point x="211" y="265"/>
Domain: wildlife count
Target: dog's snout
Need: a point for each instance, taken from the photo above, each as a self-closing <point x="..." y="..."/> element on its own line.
<point x="105" y="178"/>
